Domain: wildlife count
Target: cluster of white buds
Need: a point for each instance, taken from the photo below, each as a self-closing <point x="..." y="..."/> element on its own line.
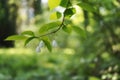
<point x="41" y="44"/>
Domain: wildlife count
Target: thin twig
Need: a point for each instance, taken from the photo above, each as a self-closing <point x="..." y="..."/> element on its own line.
<point x="62" y="23"/>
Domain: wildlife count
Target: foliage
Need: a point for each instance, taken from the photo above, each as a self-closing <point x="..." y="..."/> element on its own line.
<point x="65" y="65"/>
<point x="53" y="27"/>
<point x="25" y="65"/>
<point x="95" y="49"/>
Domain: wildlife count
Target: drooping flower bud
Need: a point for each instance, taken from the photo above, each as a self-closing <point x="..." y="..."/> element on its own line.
<point x="41" y="44"/>
<point x="54" y="43"/>
<point x="38" y="49"/>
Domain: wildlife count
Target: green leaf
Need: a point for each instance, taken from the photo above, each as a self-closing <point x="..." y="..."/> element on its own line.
<point x="69" y="12"/>
<point x="16" y="37"/>
<point x="29" y="33"/>
<point x="59" y="15"/>
<point x="68" y="22"/>
<point x="53" y="3"/>
<point x="93" y="78"/>
<point x="79" y="31"/>
<point x="28" y="40"/>
<point x="87" y="7"/>
<point x="64" y="3"/>
<point x="47" y="43"/>
<point x="49" y="26"/>
<point x="67" y="28"/>
<point x="55" y="15"/>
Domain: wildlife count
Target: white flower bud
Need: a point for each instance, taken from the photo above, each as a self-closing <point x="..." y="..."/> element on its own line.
<point x="41" y="44"/>
<point x="38" y="49"/>
<point x="54" y="43"/>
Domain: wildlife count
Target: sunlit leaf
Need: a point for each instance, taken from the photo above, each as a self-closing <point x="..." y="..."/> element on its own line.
<point x="53" y="3"/>
<point x="55" y="15"/>
<point x="16" y="37"/>
<point x="93" y="78"/>
<point x="29" y="33"/>
<point x="49" y="26"/>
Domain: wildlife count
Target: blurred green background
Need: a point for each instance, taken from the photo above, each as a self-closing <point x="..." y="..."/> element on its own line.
<point x="95" y="58"/>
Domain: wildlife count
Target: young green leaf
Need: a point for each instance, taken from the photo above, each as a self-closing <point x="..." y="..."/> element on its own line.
<point x="69" y="12"/>
<point x="29" y="33"/>
<point x="67" y="22"/>
<point x="93" y="78"/>
<point x="64" y="3"/>
<point x="28" y="40"/>
<point x="87" y="7"/>
<point x="55" y="15"/>
<point x="67" y="28"/>
<point x="47" y="43"/>
<point x="49" y="26"/>
<point x="59" y="15"/>
<point x="79" y="31"/>
<point x="53" y="4"/>
<point x="16" y="37"/>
